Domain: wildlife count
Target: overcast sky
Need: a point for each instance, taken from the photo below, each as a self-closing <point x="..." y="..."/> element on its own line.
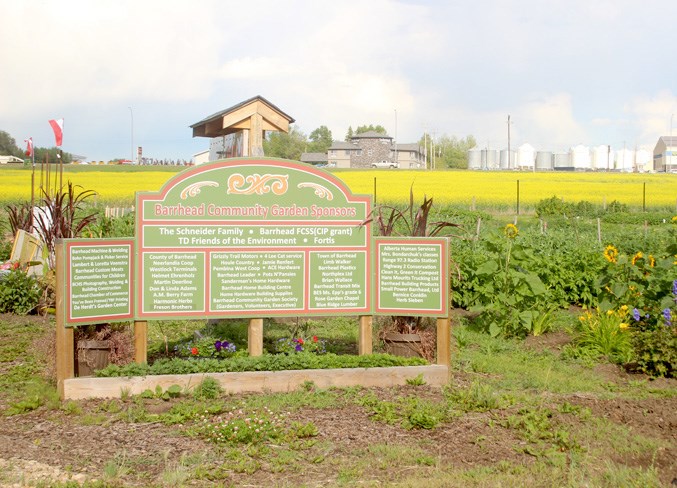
<point x="567" y="72"/>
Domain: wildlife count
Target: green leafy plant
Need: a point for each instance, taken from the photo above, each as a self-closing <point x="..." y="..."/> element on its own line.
<point x="208" y="389"/>
<point x="288" y="345"/>
<point x="206" y="347"/>
<point x="413" y="221"/>
<point x="656" y="352"/>
<point x="266" y="362"/>
<point x="19" y="293"/>
<point x="509" y="298"/>
<point x="62" y="215"/>
<point x="604" y="334"/>
<point x="241" y="427"/>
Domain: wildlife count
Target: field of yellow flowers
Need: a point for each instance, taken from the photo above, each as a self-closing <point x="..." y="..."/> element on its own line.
<point x="118" y="185"/>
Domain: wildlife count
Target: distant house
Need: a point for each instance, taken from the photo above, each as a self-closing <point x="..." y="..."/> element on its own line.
<point x="314" y="158"/>
<point x="664" y="157"/>
<point x="11" y="160"/>
<point x="201" y="157"/>
<point x="368" y="148"/>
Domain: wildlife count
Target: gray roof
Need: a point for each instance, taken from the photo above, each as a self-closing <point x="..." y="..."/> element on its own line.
<point x="235" y="107"/>
<point x="314" y="157"/>
<point x="669" y="140"/>
<point x="412" y="146"/>
<point x="372" y="134"/>
<point x="343" y="145"/>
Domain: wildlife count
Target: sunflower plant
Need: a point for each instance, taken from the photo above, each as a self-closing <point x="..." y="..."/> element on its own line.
<point x="640" y="281"/>
<point x="508" y="296"/>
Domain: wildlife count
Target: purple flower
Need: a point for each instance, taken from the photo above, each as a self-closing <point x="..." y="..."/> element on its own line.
<point x="674" y="289"/>
<point x="218" y="345"/>
<point x="636" y="315"/>
<point x="667" y="315"/>
<point x="299" y="348"/>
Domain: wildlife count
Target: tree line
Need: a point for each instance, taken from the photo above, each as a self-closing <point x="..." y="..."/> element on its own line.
<point x="8" y="147"/>
<point x="444" y="151"/>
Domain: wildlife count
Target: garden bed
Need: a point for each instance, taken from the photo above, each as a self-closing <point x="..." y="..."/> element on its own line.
<point x="257" y="381"/>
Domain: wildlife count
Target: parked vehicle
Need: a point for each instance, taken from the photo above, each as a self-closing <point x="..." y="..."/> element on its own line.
<point x="385" y="164"/>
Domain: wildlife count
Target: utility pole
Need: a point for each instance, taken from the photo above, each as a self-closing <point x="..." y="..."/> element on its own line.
<point x="131" y="114"/>
<point x="425" y="146"/>
<point x="509" y="154"/>
<point x="671" y="144"/>
<point x="396" y="162"/>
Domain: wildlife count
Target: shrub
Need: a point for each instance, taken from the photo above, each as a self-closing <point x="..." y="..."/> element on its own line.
<point x="554" y="206"/>
<point x="604" y="334"/>
<point x="19" y="293"/>
<point x="656" y="352"/>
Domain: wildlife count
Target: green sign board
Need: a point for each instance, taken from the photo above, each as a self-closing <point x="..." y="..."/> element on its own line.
<point x="98" y="280"/>
<point x="253" y="238"/>
<point x="250" y="238"/>
<point x="412" y="276"/>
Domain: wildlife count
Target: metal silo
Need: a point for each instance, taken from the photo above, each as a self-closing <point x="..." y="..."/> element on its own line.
<point x="526" y="156"/>
<point x="474" y="159"/>
<point x="625" y="160"/>
<point x="602" y="158"/>
<point x="507" y="159"/>
<point x="492" y="159"/>
<point x="544" y="161"/>
<point x="561" y="162"/>
<point x="580" y="157"/>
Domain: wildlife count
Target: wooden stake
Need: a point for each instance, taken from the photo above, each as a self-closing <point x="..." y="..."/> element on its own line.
<point x="255" y="337"/>
<point x="140" y="341"/>
<point x="64" y="341"/>
<point x="444" y="341"/>
<point x="364" y="345"/>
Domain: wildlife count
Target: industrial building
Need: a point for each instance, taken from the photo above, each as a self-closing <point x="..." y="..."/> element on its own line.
<point x="577" y="158"/>
<point x="664" y="160"/>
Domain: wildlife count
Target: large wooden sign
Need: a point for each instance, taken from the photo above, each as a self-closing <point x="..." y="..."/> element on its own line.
<point x="252" y="238"/>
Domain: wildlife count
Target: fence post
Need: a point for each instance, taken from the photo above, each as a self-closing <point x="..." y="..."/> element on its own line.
<point x="64" y="341"/>
<point x="140" y="341"/>
<point x="364" y="345"/>
<point x="255" y="337"/>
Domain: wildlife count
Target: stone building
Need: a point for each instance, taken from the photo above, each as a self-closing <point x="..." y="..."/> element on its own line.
<point x="368" y="148"/>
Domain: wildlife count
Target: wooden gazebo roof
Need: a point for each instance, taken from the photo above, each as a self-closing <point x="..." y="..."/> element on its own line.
<point x="256" y="113"/>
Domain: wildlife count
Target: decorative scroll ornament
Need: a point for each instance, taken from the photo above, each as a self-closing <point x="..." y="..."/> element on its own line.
<point x="195" y="188"/>
<point x="320" y="190"/>
<point x="259" y="184"/>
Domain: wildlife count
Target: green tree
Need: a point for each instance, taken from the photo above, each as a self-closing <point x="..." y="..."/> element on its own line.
<point x="53" y="153"/>
<point x="349" y="134"/>
<point x="8" y="146"/>
<point x="320" y="140"/>
<point x="288" y="145"/>
<point x="449" y="151"/>
<point x="366" y="128"/>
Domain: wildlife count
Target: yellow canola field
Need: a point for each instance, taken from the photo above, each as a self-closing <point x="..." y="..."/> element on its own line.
<point x="487" y="188"/>
<point x="498" y="188"/>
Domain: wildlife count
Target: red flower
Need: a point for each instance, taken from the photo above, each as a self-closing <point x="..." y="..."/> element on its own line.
<point x="300" y="340"/>
<point x="315" y="339"/>
<point x="194" y="351"/>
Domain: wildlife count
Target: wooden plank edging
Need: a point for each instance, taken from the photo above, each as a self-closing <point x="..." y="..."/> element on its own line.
<point x="256" y="381"/>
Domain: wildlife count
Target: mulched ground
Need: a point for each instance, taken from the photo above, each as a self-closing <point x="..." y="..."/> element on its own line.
<point x="53" y="445"/>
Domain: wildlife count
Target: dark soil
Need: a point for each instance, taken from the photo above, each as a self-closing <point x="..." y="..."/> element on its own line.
<point x="55" y="445"/>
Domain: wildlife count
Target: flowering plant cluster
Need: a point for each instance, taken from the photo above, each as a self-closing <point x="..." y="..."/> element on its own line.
<point x="206" y="347"/>
<point x="291" y="345"/>
<point x="240" y="427"/>
<point x="642" y="282"/>
<point x="605" y="333"/>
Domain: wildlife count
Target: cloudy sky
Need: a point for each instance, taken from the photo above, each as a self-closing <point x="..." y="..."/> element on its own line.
<point x="567" y="72"/>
